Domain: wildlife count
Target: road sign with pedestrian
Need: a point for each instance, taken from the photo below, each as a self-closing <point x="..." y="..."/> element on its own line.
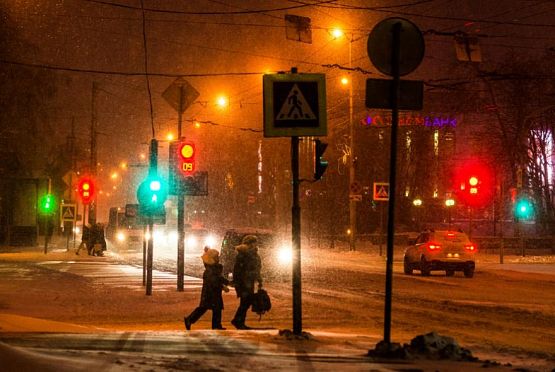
<point x="381" y="191"/>
<point x="68" y="212"/>
<point x="294" y="105"/>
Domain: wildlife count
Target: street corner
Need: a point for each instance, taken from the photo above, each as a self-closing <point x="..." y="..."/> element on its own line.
<point x="11" y="323"/>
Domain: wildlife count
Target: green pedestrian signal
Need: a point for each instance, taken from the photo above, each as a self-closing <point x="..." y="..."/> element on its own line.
<point x="152" y="194"/>
<point x="47" y="204"/>
<point x="524" y="209"/>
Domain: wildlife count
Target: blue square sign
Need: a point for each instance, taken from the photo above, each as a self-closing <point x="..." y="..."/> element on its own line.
<point x="294" y="105"/>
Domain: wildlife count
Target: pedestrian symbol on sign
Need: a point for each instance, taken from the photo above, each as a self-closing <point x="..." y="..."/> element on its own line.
<point x="381" y="191"/>
<point x="295" y="107"/>
<point x="68" y="212"/>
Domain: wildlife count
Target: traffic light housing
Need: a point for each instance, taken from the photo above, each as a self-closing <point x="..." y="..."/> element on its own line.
<point x="152" y="194"/>
<point x="524" y="209"/>
<point x="320" y="164"/>
<point x="474" y="184"/>
<point x="85" y="190"/>
<point x="185" y="156"/>
<point x="47" y="204"/>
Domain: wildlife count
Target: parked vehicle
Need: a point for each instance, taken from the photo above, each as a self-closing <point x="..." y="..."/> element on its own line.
<point x="441" y="250"/>
<point x="275" y="253"/>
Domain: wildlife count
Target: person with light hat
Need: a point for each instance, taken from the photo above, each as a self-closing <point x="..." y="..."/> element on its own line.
<point x="213" y="283"/>
<point x="246" y="272"/>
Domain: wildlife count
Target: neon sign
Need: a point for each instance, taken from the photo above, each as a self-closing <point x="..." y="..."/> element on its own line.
<point x="410" y="120"/>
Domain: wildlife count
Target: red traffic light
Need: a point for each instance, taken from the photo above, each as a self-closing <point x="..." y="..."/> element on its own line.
<point x="85" y="189"/>
<point x="186" y="153"/>
<point x="474" y="184"/>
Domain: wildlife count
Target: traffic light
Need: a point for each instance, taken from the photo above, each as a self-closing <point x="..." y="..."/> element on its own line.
<point x="474" y="184"/>
<point x="320" y="164"/>
<point x="85" y="189"/>
<point x="524" y="209"/>
<point x="47" y="204"/>
<point x="152" y="194"/>
<point x="186" y="153"/>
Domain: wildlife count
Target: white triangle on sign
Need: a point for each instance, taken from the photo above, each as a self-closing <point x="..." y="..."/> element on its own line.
<point x="295" y="107"/>
<point x="382" y="192"/>
<point x="68" y="213"/>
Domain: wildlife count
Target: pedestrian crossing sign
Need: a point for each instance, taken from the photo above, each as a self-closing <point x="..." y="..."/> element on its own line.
<point x="381" y="191"/>
<point x="294" y="105"/>
<point x="68" y="212"/>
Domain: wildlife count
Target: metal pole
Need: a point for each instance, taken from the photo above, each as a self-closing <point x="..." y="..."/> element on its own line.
<point x="381" y="228"/>
<point x="144" y="254"/>
<point x="296" y="238"/>
<point x="392" y="179"/>
<point x="45" y="234"/>
<point x="180" y="208"/>
<point x="149" y="257"/>
<point x="92" y="207"/>
<point x="501" y="217"/>
<point x="352" y="177"/>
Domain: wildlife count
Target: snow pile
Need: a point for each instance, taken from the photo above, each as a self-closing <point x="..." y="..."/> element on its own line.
<point x="289" y="335"/>
<point x="429" y="346"/>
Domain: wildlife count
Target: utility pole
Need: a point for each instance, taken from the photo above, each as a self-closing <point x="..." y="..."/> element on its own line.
<point x="93" y="161"/>
<point x="352" y="160"/>
<point x="180" y="209"/>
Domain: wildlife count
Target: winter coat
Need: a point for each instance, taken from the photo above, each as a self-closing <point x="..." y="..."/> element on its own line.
<point x="246" y="270"/>
<point x="212" y="284"/>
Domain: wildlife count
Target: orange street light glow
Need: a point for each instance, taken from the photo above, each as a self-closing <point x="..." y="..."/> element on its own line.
<point x="337" y="33"/>
<point x="169" y="137"/>
<point x="222" y="101"/>
<point x="345" y="80"/>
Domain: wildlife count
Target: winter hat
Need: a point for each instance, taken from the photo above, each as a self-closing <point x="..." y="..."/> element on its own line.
<point x="211" y="256"/>
<point x="249" y="239"/>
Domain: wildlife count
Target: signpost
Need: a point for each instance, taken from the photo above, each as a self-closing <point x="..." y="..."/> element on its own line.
<point x="180" y="95"/>
<point x="295" y="105"/>
<point x="396" y="48"/>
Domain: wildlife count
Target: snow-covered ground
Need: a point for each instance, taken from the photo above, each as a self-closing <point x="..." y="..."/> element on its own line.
<point x="498" y="315"/>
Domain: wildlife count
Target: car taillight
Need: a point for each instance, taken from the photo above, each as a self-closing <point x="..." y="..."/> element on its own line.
<point x="434" y="247"/>
<point x="470" y="247"/>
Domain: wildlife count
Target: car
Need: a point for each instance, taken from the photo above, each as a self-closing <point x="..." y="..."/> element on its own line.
<point x="440" y="250"/>
<point x="275" y="253"/>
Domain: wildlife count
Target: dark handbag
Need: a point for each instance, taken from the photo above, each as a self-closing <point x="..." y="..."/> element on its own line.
<point x="261" y="302"/>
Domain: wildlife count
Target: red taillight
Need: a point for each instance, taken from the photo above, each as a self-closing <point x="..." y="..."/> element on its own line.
<point x="434" y="246"/>
<point x="470" y="247"/>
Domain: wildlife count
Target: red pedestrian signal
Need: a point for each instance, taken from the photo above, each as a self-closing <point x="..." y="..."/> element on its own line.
<point x="186" y="153"/>
<point x="85" y="189"/>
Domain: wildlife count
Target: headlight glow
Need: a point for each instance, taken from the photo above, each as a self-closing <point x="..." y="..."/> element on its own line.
<point x="210" y="241"/>
<point x="191" y="241"/>
<point x="285" y="255"/>
<point x="120" y="236"/>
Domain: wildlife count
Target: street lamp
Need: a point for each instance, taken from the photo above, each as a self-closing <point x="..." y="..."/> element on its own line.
<point x="348" y="81"/>
<point x="449" y="202"/>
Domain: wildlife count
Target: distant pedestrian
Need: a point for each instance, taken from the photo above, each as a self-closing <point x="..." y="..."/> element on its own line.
<point x="213" y="282"/>
<point x="97" y="241"/>
<point x="85" y="237"/>
<point x="246" y="272"/>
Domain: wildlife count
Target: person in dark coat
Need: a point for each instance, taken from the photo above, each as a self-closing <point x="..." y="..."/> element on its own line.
<point x="97" y="237"/>
<point x="85" y="238"/>
<point x="213" y="282"/>
<point x="246" y="272"/>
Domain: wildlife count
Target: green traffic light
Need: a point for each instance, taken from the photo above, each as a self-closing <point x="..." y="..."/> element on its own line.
<point x="524" y="209"/>
<point x="152" y="194"/>
<point x="47" y="204"/>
